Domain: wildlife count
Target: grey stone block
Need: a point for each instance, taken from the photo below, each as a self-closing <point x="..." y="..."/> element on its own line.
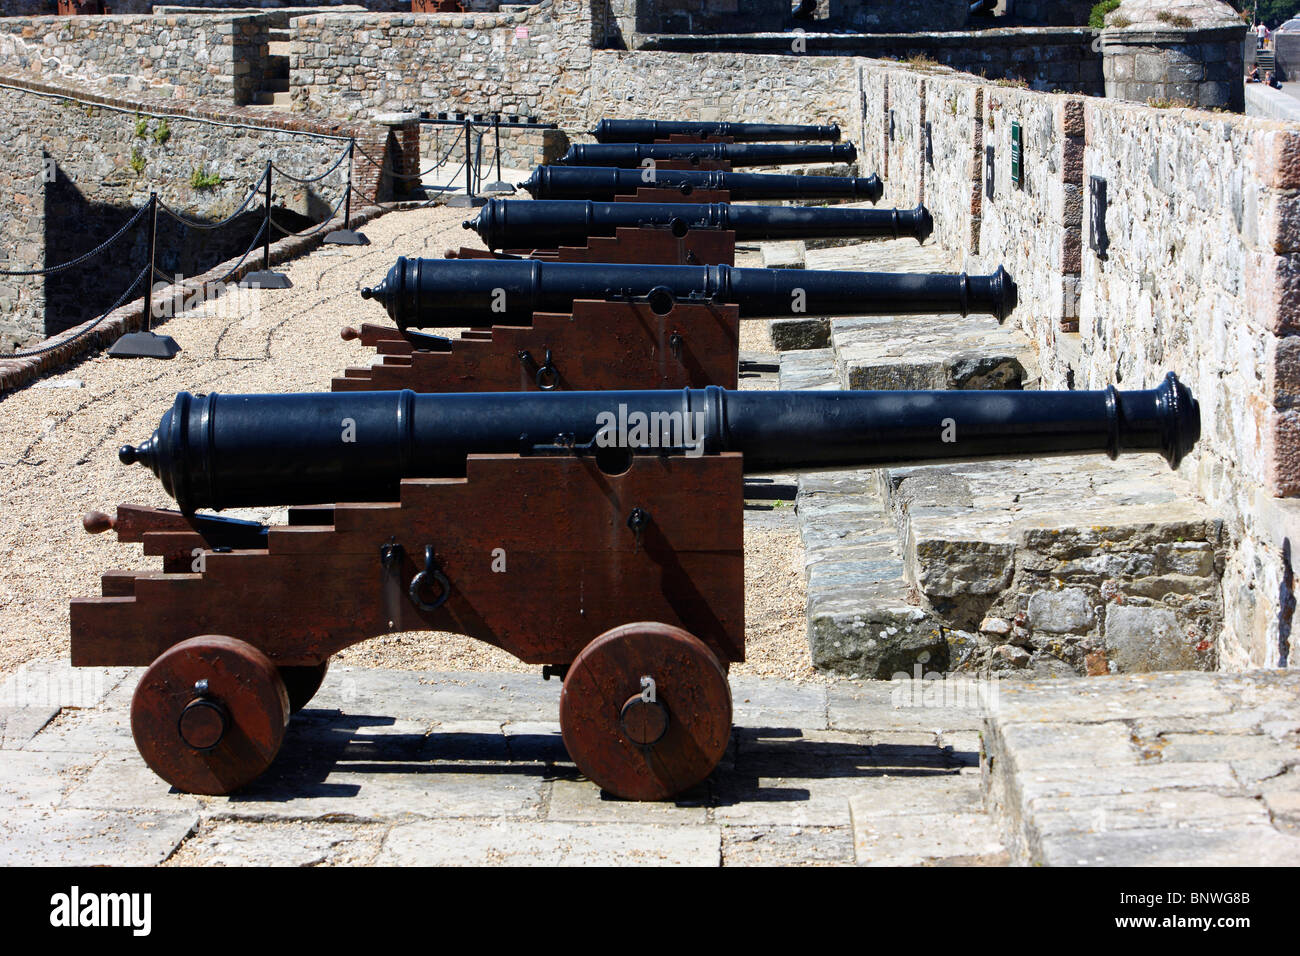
<point x="515" y="843"/>
<point x="1061" y="612"/>
<point x="20" y="724"/>
<point x="43" y="837"/>
<point x="913" y="840"/>
<point x="1186" y="846"/>
<point x="786" y="846"/>
<point x="798" y="334"/>
<point x="1140" y="639"/>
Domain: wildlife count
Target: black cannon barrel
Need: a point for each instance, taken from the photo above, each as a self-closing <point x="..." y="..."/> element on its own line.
<point x="633" y="155"/>
<point x="605" y="182"/>
<point x="546" y="223"/>
<point x="222" y="451"/>
<point x="452" y="293"/>
<point x="647" y="131"/>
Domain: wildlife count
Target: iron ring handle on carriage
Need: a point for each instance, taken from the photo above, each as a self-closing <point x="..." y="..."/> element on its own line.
<point x="430" y="571"/>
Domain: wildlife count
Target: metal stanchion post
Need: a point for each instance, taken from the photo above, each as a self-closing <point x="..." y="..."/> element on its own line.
<point x="500" y="186"/>
<point x="469" y="200"/>
<point x="265" y="278"/>
<point x="147" y="343"/>
<point x="345" y="236"/>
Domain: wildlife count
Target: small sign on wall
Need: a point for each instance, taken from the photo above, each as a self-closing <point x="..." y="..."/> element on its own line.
<point x="1017" y="156"/>
<point x="1098" y="241"/>
<point x="990" y="169"/>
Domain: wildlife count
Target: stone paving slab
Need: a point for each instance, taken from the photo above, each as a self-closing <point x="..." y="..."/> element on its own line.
<point x="511" y="843"/>
<point x="44" y="837"/>
<point x="20" y="724"/>
<point x="388" y="766"/>
<point x="844" y="772"/>
<point x="916" y="839"/>
<point x="1107" y="771"/>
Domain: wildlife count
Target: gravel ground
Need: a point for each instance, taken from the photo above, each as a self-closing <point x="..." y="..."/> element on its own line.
<point x="58" y="455"/>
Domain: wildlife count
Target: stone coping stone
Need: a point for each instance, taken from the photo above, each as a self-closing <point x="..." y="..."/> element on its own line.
<point x="929" y="352"/>
<point x="809" y="367"/>
<point x="1103" y="772"/>
<point x="793" y="335"/>
<point x="784" y="254"/>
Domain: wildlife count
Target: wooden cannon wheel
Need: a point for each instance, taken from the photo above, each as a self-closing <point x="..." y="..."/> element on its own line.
<point x="302" y="682"/>
<point x="209" y="714"/>
<point x="641" y="741"/>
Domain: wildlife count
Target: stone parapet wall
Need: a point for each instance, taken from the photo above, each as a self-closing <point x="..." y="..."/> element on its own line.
<point x="186" y="57"/>
<point x="1052" y="12"/>
<point x="1199" y="278"/>
<point x="724" y="86"/>
<point x="1046" y="58"/>
<point x="734" y="16"/>
<point x="534" y="61"/>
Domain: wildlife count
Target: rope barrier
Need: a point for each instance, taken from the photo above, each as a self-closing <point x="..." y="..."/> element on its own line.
<point x="53" y="270"/>
<point x="315" y="179"/>
<point x="31" y="353"/>
<point x="155" y="204"/>
<point x="194" y="224"/>
<point x="385" y="170"/>
<point x="328" y="219"/>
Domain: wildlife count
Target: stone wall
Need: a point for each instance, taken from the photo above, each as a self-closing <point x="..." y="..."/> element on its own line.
<point x="1188" y="67"/>
<point x="755" y="16"/>
<point x="1201" y="277"/>
<point x="105" y="155"/>
<point x="534" y="61"/>
<point x="1059" y="13"/>
<point x="1045" y="58"/>
<point x="185" y="57"/>
<point x="723" y="86"/>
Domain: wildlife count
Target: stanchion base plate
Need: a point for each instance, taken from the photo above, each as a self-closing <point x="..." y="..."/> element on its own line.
<point x="498" y="187"/>
<point x="345" y="237"/>
<point x="265" y="280"/>
<point x="461" y="201"/>
<point x="144" y="345"/>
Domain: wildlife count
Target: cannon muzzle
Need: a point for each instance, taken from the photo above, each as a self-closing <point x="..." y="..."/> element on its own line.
<point x="223" y="451"/>
<point x="647" y="131"/>
<point x="603" y="183"/>
<point x="451" y="293"/>
<point x="543" y="223"/>
<point x="634" y="155"/>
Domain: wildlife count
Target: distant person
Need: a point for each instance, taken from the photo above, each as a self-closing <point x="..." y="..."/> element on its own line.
<point x="1253" y="75"/>
<point x="1261" y="36"/>
<point x="1271" y="80"/>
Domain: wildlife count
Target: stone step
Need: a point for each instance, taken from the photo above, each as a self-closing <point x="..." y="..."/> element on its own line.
<point x="784" y="255"/>
<point x="1062" y="566"/>
<point x="280" y="99"/>
<point x="863" y="619"/>
<point x="1154" y="770"/>
<point x="941" y="351"/>
<point x="814" y="368"/>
